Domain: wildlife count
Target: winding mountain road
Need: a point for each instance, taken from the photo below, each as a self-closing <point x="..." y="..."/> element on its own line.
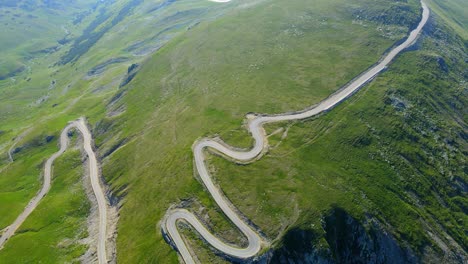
<point x="255" y="126"/>
<point x="94" y="175"/>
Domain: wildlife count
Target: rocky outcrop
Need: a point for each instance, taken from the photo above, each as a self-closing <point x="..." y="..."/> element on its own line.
<point x="299" y="246"/>
<point x="12" y="73"/>
<point x="98" y="69"/>
<point x="353" y="242"/>
<point x="349" y="241"/>
<point x="131" y="73"/>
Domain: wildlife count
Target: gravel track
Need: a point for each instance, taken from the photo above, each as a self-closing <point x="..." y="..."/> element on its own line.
<point x="79" y="124"/>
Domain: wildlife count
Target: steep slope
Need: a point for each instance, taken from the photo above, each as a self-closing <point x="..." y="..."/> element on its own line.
<point x="380" y="179"/>
<point x="400" y="147"/>
<point x="35" y="104"/>
<point x="454" y="13"/>
<point x="290" y="57"/>
<point x="255" y="125"/>
<point x="32" y="28"/>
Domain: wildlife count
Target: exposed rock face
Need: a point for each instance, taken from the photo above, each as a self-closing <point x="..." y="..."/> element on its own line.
<point x="131" y="72"/>
<point x="352" y="242"/>
<point x="298" y="247"/>
<point x="98" y="69"/>
<point x="349" y="241"/>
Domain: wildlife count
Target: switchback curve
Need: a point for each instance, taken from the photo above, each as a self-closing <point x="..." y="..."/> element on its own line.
<point x="79" y="124"/>
<point x="255" y="127"/>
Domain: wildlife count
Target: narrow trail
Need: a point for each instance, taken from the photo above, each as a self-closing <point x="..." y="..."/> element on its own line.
<point x="93" y="174"/>
<point x="255" y="127"/>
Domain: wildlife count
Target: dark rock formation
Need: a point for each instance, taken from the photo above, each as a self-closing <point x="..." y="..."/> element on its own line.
<point x="98" y="69"/>
<point x="13" y="73"/>
<point x="131" y="72"/>
<point x="349" y="241"/>
<point x="352" y="242"/>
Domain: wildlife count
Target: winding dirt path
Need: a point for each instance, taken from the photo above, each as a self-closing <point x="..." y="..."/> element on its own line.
<point x="79" y="124"/>
<point x="255" y="126"/>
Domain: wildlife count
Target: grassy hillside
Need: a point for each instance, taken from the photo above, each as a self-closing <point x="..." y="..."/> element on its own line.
<point x="270" y="58"/>
<point x="53" y="232"/>
<point x="455" y="14"/>
<point x="37" y="102"/>
<point x="32" y="28"/>
<point x="396" y="152"/>
<point x="393" y="155"/>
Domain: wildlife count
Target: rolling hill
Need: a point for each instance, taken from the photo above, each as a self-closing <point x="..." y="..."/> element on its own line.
<point x="382" y="178"/>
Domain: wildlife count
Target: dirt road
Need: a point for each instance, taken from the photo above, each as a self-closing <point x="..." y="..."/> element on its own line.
<point x="79" y="124"/>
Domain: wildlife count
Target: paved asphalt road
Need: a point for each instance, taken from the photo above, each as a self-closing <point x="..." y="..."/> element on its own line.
<point x="256" y="129"/>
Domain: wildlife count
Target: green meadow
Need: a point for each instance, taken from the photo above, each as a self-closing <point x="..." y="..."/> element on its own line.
<point x="53" y="231"/>
<point x="394" y="153"/>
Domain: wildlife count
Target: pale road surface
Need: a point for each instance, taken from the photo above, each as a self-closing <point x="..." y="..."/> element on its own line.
<point x="93" y="174"/>
<point x="255" y="126"/>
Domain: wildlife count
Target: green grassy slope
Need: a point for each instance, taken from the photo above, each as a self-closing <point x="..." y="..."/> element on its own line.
<point x="31" y="28"/>
<point x="271" y="58"/>
<point x="39" y="101"/>
<point x="36" y="104"/>
<point x="393" y="152"/>
<point x="396" y="151"/>
<point x="46" y="87"/>
<point x="53" y="231"/>
<point x="455" y="13"/>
